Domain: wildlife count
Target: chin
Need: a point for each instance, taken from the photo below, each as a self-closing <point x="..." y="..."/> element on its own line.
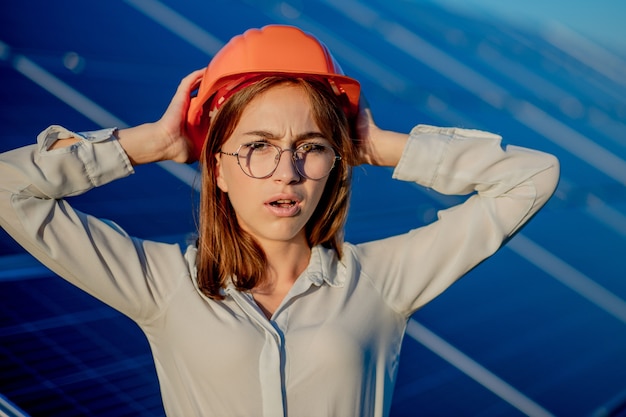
<point x="284" y="235"/>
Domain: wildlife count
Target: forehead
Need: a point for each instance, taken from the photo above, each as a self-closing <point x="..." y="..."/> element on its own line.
<point x="280" y="95"/>
<point x="281" y="109"/>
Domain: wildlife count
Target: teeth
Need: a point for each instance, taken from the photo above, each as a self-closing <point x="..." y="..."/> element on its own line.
<point x="283" y="203"/>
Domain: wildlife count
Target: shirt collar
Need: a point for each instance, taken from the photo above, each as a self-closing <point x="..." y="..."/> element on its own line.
<point x="324" y="267"/>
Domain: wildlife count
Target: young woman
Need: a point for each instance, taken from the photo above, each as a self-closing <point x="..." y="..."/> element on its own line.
<point x="271" y="313"/>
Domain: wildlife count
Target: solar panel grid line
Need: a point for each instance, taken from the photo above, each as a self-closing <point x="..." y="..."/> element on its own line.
<point x="546" y="90"/>
<point x="526" y="41"/>
<point x="585" y="286"/>
<point x="476" y="371"/>
<point x="530" y="40"/>
<point x="557" y="268"/>
<point x="101" y="379"/>
<point x="60" y="320"/>
<point x="178" y="24"/>
<point x="22" y="367"/>
<point x="495" y="95"/>
<point x="90" y="109"/>
<point x="8" y="409"/>
<point x="47" y="353"/>
<point x="586" y="51"/>
<point x="572" y="141"/>
<point x="120" y="366"/>
<point x="23" y="273"/>
<point x="371" y="67"/>
<point x="23" y="266"/>
<point x="78" y="349"/>
<point x="68" y="95"/>
<point x="50" y="388"/>
<point x="569" y="276"/>
<point x="604" y="213"/>
<point x="593" y="205"/>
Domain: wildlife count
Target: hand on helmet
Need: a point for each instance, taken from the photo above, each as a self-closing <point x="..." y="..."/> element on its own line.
<point x="376" y="146"/>
<point x="172" y="123"/>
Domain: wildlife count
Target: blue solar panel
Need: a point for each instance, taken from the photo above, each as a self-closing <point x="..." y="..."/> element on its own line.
<point x="540" y="324"/>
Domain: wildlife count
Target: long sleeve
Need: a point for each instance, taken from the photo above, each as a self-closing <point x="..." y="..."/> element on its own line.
<point x="508" y="187"/>
<point x="93" y="254"/>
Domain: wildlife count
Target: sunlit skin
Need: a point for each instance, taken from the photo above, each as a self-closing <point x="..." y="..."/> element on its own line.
<point x="281" y="116"/>
<point x="284" y="114"/>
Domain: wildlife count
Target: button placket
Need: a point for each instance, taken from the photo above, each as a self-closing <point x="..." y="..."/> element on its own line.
<point x="270" y="357"/>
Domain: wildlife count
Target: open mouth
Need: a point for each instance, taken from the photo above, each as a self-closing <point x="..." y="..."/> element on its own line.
<point x="283" y="203"/>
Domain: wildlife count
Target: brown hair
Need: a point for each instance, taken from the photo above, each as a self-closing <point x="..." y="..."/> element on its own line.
<point x="225" y="250"/>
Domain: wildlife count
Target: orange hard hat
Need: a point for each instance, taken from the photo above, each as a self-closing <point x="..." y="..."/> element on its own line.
<point x="271" y="50"/>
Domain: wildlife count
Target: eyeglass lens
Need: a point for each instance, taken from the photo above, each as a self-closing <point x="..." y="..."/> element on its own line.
<point x="260" y="159"/>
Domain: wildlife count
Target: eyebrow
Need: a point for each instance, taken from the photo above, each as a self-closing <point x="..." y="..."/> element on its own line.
<point x="270" y="136"/>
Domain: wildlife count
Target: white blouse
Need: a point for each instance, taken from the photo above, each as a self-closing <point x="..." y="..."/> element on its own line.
<point x="332" y="346"/>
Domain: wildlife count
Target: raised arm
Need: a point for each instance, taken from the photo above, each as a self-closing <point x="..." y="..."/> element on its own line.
<point x="162" y="140"/>
<point x="377" y="146"/>
<point x="95" y="255"/>
<point x="508" y="187"/>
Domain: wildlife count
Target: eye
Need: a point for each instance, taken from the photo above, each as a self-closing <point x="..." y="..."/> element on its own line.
<point x="308" y="148"/>
<point x="256" y="145"/>
<point x="256" y="148"/>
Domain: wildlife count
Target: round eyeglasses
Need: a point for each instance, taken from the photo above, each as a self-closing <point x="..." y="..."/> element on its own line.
<point x="260" y="159"/>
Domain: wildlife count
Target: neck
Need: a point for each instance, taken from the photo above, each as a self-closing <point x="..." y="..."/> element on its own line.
<point x="285" y="262"/>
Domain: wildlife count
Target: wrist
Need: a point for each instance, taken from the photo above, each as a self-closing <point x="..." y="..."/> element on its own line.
<point x="143" y="144"/>
<point x="386" y="147"/>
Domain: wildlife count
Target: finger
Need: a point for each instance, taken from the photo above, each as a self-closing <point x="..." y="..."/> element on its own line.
<point x="192" y="76"/>
<point x="189" y="82"/>
<point x="185" y="87"/>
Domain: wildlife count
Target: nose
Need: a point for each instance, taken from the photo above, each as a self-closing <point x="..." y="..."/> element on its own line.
<point x="286" y="169"/>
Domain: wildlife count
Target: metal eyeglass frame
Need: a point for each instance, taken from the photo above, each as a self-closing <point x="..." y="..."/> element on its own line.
<point x="280" y="154"/>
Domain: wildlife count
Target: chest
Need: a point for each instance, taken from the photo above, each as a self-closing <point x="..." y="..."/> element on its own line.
<point x="319" y="331"/>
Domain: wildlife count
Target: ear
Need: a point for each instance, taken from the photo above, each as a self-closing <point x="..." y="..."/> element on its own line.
<point x="219" y="174"/>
